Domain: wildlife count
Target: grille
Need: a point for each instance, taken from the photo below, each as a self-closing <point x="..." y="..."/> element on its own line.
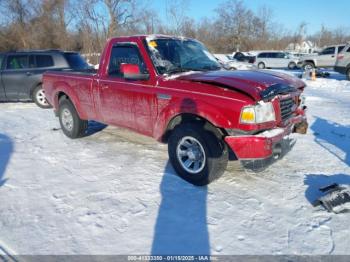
<point x="286" y="106"/>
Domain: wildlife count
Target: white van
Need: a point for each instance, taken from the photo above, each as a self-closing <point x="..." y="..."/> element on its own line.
<point x="275" y="59"/>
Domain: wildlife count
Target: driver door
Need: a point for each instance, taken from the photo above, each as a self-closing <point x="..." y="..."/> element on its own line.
<point x="127" y="103"/>
<point x="327" y="57"/>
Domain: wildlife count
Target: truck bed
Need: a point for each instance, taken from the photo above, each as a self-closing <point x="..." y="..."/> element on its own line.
<point x="75" y="82"/>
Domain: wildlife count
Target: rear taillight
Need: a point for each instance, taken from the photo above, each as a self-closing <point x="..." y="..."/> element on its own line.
<point x="339" y="57"/>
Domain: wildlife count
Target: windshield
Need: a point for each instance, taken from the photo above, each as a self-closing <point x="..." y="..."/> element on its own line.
<point x="176" y="55"/>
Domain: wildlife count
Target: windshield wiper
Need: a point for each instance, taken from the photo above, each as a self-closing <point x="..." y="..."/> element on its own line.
<point x="179" y="70"/>
<point x="182" y="69"/>
<point x="175" y="70"/>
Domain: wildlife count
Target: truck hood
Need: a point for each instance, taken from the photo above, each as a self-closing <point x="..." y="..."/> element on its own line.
<point x="307" y="57"/>
<point x="258" y="84"/>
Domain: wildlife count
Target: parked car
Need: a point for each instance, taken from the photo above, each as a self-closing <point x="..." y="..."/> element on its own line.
<point x="174" y="90"/>
<point x="231" y="64"/>
<point x="275" y="59"/>
<point x="21" y="73"/>
<point x="342" y="64"/>
<point x="243" y="57"/>
<point x="326" y="58"/>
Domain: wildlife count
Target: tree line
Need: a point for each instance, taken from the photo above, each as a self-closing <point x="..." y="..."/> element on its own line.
<point x="86" y="24"/>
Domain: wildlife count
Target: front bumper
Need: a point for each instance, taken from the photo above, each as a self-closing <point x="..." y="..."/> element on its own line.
<point x="261" y="146"/>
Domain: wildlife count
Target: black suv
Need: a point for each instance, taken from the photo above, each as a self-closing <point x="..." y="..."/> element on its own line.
<point x="21" y="73"/>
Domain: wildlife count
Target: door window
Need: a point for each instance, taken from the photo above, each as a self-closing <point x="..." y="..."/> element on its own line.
<point x="43" y="61"/>
<point x="125" y="54"/>
<point x="340" y="48"/>
<point x="280" y="55"/>
<point x="348" y="51"/>
<point x="328" y="51"/>
<point x="16" y="62"/>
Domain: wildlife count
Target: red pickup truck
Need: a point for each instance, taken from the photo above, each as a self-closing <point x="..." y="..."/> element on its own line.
<point x="175" y="91"/>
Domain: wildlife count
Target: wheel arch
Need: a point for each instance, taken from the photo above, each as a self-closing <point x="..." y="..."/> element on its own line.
<point x="62" y="94"/>
<point x="310" y="61"/>
<point x="183" y="118"/>
<point x="35" y="85"/>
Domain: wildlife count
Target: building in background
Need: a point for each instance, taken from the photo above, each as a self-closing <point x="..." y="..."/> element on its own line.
<point x="306" y="47"/>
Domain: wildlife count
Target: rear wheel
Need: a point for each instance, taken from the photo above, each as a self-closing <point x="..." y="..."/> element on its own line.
<point x="197" y="154"/>
<point x="39" y="97"/>
<point x="291" y="65"/>
<point x="71" y="124"/>
<point x="348" y="74"/>
<point x="261" y="65"/>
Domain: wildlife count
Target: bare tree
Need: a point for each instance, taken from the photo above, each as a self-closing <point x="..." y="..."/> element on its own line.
<point x="18" y="13"/>
<point x="176" y="15"/>
<point x="120" y="13"/>
<point x="234" y="19"/>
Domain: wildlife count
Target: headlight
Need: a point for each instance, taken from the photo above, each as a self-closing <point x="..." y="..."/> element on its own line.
<point x="260" y="113"/>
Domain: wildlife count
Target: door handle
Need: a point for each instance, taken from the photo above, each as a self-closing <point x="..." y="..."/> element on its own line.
<point x="104" y="87"/>
<point x="332" y="55"/>
<point x="28" y="73"/>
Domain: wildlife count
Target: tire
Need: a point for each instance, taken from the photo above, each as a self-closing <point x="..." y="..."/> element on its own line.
<point x="261" y="65"/>
<point x="39" y="97"/>
<point x="208" y="148"/>
<point x="291" y="65"/>
<point x="348" y="74"/>
<point x="71" y="124"/>
<point x="308" y="65"/>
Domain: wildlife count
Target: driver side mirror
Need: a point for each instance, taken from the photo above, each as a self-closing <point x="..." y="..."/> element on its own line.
<point x="132" y="72"/>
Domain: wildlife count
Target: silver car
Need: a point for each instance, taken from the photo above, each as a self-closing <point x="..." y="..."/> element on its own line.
<point x="342" y="65"/>
<point x="275" y="59"/>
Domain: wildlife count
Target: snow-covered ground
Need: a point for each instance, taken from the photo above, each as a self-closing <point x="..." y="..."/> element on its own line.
<point x="114" y="192"/>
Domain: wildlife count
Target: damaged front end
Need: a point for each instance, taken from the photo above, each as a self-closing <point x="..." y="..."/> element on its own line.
<point x="282" y="106"/>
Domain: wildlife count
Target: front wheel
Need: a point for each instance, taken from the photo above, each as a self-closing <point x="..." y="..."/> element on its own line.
<point x="197" y="154"/>
<point x="348" y="74"/>
<point x="39" y="97"/>
<point x="71" y="124"/>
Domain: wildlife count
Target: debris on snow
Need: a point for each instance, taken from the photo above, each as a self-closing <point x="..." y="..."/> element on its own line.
<point x="337" y="198"/>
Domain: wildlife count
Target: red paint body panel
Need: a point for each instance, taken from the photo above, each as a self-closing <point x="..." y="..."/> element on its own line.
<point x="148" y="106"/>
